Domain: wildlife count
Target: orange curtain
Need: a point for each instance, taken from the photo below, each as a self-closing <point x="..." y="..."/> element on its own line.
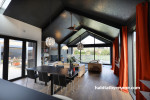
<point x="142" y="48"/>
<point x="123" y="70"/>
<point x="115" y="55"/>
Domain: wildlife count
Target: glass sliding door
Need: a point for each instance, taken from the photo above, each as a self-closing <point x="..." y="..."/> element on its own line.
<point x="15" y="59"/>
<point x="103" y="54"/>
<point x="30" y="54"/>
<point x="1" y="56"/>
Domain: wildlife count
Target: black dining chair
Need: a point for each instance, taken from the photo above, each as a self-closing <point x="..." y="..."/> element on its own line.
<point x="60" y="80"/>
<point x="72" y="82"/>
<point x="31" y="74"/>
<point x="59" y="66"/>
<point x="43" y="76"/>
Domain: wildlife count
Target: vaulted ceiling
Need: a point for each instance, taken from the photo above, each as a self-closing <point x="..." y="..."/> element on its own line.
<point x="101" y="17"/>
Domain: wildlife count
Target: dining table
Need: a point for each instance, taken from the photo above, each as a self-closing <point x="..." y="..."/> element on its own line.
<point x="12" y="91"/>
<point x="69" y="73"/>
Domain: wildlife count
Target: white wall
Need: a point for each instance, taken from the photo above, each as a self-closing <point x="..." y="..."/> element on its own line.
<point x="16" y="28"/>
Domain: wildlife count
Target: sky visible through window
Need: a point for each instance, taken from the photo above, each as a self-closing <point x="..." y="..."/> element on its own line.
<point x="1" y="3"/>
<point x="90" y="40"/>
<point x="4" y="3"/>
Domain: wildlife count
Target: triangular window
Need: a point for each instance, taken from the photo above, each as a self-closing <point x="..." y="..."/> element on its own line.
<point x="90" y="40"/>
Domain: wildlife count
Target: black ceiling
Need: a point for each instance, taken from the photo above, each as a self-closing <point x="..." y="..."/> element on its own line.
<point x="103" y="17"/>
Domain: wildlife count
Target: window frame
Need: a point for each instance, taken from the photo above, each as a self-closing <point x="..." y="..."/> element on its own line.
<point x="6" y="55"/>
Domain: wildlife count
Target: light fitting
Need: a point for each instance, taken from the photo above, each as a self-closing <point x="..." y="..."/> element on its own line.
<point x="50" y="41"/>
<point x="65" y="47"/>
<point x="72" y="28"/>
<point x="80" y="46"/>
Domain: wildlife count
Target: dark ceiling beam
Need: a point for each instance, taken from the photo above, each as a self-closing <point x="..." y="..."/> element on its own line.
<point x="98" y="33"/>
<point x="84" y="35"/>
<point x="69" y="35"/>
<point x="93" y="45"/>
<point x="99" y="37"/>
<point x="94" y="17"/>
<point x="79" y="38"/>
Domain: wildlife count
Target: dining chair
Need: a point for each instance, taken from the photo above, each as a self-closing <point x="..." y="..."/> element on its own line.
<point x="61" y="80"/>
<point x="31" y="74"/>
<point x="60" y="66"/>
<point x="72" y="82"/>
<point x="43" y="76"/>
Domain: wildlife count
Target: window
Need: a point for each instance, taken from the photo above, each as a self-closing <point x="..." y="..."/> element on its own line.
<point x="134" y="60"/>
<point x="88" y="40"/>
<point x="93" y="53"/>
<point x="1" y="56"/>
<point x="4" y="3"/>
<point x="1" y="3"/>
<point x="87" y="55"/>
<point x="98" y="41"/>
<point x="15" y="59"/>
<point x="76" y="53"/>
<point x="103" y="54"/>
<point x="30" y="54"/>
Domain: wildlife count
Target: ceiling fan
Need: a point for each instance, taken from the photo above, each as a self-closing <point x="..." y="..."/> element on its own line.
<point x="72" y="27"/>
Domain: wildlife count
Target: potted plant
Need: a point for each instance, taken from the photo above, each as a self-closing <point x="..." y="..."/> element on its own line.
<point x="71" y="59"/>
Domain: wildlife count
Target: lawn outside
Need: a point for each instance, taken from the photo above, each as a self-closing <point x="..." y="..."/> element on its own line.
<point x="105" y="59"/>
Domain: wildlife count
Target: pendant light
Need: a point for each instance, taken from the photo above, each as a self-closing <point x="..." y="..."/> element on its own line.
<point x="65" y="47"/>
<point x="50" y="41"/>
<point x="80" y="45"/>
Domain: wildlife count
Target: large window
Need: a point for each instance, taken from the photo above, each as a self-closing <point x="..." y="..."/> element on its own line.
<point x="1" y="56"/>
<point x="4" y="3"/>
<point x="15" y="55"/>
<point x="87" y="55"/>
<point x="30" y="54"/>
<point x="76" y="53"/>
<point x="15" y="59"/>
<point x="90" y="52"/>
<point x="103" y="54"/>
<point x="88" y="40"/>
<point x="134" y="59"/>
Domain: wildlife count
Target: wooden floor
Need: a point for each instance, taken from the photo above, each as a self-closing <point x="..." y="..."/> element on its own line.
<point x="86" y="89"/>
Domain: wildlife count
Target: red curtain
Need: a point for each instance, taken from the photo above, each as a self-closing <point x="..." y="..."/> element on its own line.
<point x="123" y="70"/>
<point x="115" y="55"/>
<point x="142" y="48"/>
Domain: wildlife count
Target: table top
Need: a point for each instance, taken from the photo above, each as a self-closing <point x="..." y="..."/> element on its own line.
<point x="55" y="70"/>
<point x="11" y="91"/>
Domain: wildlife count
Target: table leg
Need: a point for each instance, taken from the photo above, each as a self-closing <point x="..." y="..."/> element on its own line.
<point x="52" y="91"/>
